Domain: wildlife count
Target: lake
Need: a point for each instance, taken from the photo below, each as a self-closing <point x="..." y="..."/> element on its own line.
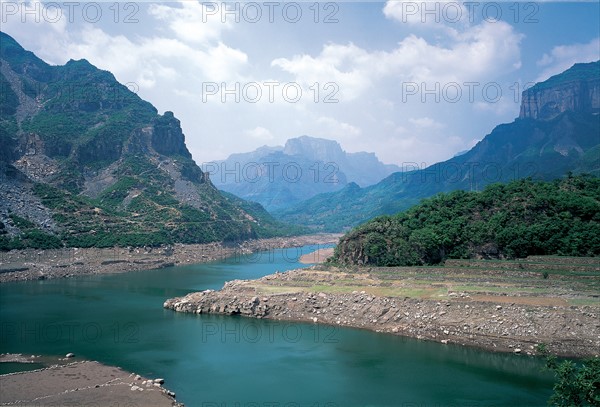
<point x="221" y="361"/>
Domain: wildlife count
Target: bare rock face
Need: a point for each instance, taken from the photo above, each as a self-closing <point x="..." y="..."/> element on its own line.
<point x="577" y="89"/>
<point x="167" y="137"/>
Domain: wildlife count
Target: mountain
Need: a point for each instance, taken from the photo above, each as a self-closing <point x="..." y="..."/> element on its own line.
<point x="557" y="131"/>
<point x="278" y="177"/>
<point x="85" y="162"/>
<point x="517" y="219"/>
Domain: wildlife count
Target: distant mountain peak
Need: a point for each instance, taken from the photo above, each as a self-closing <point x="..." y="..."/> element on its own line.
<point x="278" y="177"/>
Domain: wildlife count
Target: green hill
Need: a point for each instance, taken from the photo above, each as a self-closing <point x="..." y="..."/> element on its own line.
<point x="86" y="162"/>
<point x="517" y="219"/>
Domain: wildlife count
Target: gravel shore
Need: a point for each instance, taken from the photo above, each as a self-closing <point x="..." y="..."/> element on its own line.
<point x="82" y="383"/>
<point x="506" y="313"/>
<point x="21" y="265"/>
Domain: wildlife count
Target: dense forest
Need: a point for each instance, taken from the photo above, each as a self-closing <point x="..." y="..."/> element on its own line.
<point x="511" y="220"/>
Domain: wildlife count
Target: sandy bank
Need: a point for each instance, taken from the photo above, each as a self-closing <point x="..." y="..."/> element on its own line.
<point x="318" y="256"/>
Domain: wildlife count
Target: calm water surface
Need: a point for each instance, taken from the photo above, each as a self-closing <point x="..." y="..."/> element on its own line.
<point x="218" y="361"/>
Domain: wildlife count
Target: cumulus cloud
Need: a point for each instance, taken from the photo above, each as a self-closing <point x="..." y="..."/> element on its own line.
<point x="477" y="53"/>
<point x="425" y="123"/>
<point x="562" y="57"/>
<point x="337" y="129"/>
<point x="191" y="21"/>
<point x="260" y="133"/>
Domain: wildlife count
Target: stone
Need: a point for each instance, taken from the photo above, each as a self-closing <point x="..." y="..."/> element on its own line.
<point x="70" y="355"/>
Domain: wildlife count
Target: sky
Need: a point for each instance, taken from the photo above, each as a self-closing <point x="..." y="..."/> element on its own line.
<point x="409" y="81"/>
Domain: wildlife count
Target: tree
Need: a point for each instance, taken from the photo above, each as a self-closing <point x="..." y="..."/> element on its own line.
<point x="576" y="385"/>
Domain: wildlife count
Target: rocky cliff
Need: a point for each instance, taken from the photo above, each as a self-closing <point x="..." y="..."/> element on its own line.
<point x="557" y="132"/>
<point x="575" y="90"/>
<point x="86" y="162"/>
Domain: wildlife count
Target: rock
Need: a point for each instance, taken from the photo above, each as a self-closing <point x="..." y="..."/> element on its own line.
<point x="134" y="388"/>
<point x="159" y="381"/>
<point x="517" y="350"/>
<point x="70" y="355"/>
<point x="498" y="307"/>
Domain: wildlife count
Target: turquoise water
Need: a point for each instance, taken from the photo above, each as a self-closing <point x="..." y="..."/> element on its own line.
<point x="219" y="361"/>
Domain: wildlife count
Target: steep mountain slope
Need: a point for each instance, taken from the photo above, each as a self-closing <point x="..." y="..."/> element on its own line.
<point x="86" y="162"/>
<point x="517" y="219"/>
<point x="278" y="177"/>
<point x="558" y="131"/>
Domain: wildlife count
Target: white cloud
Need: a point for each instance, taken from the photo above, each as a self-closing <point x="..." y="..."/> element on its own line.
<point x="260" y="133"/>
<point x="478" y="53"/>
<point x="192" y="22"/>
<point x="333" y="128"/>
<point x="425" y="123"/>
<point x="563" y="57"/>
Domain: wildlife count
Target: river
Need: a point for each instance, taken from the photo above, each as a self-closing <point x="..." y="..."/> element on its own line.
<point x="219" y="361"/>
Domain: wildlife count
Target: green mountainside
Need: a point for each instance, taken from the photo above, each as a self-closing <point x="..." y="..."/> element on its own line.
<point x="557" y="131"/>
<point x="518" y="219"/>
<point x="86" y="162"/>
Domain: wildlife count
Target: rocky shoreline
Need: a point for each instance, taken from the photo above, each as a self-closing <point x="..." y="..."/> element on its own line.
<point x="80" y="383"/>
<point x="502" y="323"/>
<point x="30" y="264"/>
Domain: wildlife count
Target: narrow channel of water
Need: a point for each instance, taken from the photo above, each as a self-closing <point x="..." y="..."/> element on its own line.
<point x="219" y="361"/>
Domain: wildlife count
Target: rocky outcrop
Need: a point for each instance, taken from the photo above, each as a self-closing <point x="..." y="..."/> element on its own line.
<point x="575" y="90"/>
<point x="167" y="137"/>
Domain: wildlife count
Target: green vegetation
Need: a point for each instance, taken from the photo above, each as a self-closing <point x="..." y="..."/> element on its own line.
<point x="511" y="220"/>
<point x="577" y="384"/>
<point x="88" y="126"/>
<point x="31" y="236"/>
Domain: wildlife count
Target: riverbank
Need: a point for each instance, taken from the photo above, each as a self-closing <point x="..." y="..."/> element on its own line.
<point x="501" y="306"/>
<point x="30" y="264"/>
<point x="81" y="383"/>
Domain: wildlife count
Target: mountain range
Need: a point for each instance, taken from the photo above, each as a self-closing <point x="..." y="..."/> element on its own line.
<point x="279" y="177"/>
<point x="557" y="131"/>
<point x="86" y="162"/>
